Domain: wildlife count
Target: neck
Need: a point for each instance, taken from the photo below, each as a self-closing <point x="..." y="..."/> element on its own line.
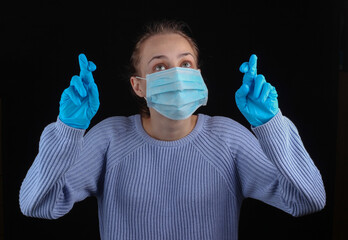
<point x="165" y="129"/>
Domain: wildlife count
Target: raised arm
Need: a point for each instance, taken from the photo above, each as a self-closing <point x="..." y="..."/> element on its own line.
<point x="274" y="167"/>
<point x="65" y="171"/>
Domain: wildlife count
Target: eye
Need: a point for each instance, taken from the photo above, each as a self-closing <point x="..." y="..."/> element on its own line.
<point x="159" y="67"/>
<point x="186" y="65"/>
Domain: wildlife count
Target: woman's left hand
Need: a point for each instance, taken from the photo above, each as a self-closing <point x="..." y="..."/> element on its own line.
<point x="256" y="99"/>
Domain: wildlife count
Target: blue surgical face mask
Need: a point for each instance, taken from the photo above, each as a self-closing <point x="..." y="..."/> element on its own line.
<point x="176" y="93"/>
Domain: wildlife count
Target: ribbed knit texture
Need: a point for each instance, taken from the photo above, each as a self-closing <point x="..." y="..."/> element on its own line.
<point x="190" y="189"/>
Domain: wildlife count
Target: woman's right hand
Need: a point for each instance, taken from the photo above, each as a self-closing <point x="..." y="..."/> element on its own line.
<point x="80" y="101"/>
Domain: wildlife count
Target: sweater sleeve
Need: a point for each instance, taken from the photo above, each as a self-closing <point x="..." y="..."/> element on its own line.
<point x="67" y="169"/>
<point x="276" y="169"/>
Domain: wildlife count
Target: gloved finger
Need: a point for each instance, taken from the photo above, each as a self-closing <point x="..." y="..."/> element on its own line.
<point x="259" y="82"/>
<point x="91" y="66"/>
<point x="253" y="65"/>
<point x="93" y="95"/>
<point x="273" y="93"/>
<point x="244" y="67"/>
<point x="241" y="96"/>
<point x="77" y="83"/>
<point x="250" y="69"/>
<point x="266" y="89"/>
<point x="71" y="93"/>
<point x="86" y="68"/>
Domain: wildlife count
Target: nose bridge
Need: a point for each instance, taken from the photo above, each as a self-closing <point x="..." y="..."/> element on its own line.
<point x="179" y="80"/>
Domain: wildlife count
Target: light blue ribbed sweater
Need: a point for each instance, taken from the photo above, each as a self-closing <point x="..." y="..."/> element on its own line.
<point x="190" y="189"/>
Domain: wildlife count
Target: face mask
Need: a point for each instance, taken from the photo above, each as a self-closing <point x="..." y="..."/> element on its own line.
<point x="176" y="93"/>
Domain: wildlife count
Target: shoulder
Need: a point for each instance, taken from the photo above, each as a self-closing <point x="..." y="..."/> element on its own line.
<point x="117" y="122"/>
<point x="221" y="124"/>
<point x="113" y="125"/>
<point x="221" y="121"/>
<point x="227" y="129"/>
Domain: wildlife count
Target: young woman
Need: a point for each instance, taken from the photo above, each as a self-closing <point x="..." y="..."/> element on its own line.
<point x="166" y="173"/>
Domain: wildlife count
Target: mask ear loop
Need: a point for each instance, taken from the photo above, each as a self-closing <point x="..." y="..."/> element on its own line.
<point x="140" y="78"/>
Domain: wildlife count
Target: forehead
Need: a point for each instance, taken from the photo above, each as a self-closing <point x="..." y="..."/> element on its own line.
<point x="165" y="44"/>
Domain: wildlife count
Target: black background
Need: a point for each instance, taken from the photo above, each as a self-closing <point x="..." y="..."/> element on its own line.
<point x="297" y="47"/>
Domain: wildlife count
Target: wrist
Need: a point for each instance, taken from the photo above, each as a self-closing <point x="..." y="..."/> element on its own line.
<point x="67" y="131"/>
<point x="276" y="122"/>
<point x="74" y="123"/>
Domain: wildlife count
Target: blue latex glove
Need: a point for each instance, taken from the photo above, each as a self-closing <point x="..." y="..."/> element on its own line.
<point x="80" y="101"/>
<point x="256" y="98"/>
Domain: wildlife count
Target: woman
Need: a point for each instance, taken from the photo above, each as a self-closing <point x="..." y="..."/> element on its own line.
<point x="166" y="173"/>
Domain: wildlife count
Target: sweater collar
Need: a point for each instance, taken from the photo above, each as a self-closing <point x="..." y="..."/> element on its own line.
<point x="188" y="138"/>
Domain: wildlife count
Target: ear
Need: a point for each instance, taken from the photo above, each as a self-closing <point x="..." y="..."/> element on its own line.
<point x="139" y="86"/>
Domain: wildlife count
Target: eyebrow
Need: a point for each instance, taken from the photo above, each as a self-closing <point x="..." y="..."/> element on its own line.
<point x="185" y="54"/>
<point x="157" y="57"/>
<point x="164" y="56"/>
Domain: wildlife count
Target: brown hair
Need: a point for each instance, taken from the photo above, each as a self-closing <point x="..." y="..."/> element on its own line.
<point x="152" y="29"/>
